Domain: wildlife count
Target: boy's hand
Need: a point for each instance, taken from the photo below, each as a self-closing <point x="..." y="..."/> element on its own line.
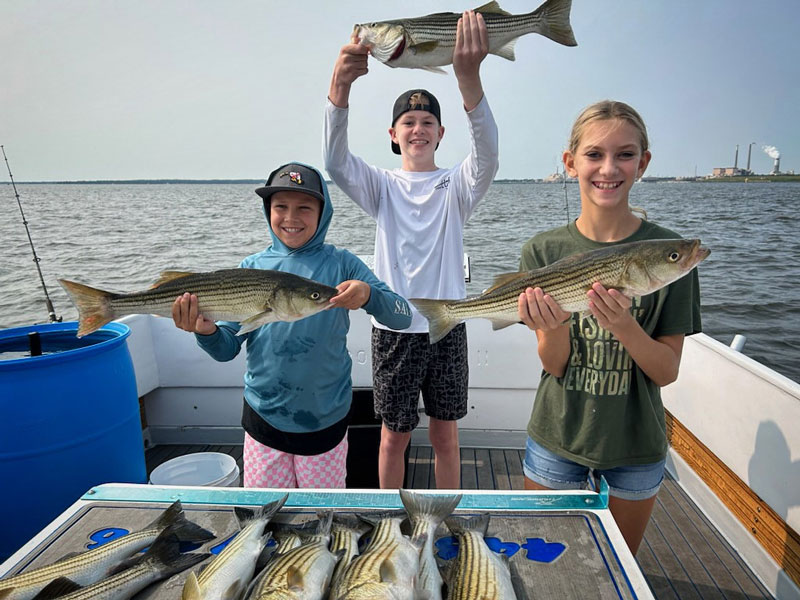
<point x="353" y="294"/>
<point x="539" y="311"/>
<point x="472" y="46"/>
<point x="186" y="315"/>
<point x="350" y="65"/>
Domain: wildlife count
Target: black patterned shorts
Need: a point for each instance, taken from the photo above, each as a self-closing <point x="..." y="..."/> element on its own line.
<point x="405" y="364"/>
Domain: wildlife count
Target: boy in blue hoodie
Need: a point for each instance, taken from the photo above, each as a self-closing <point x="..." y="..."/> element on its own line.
<point x="297" y="388"/>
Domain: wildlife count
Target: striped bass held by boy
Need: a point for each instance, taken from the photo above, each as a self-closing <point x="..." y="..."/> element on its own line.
<point x="428" y="42"/>
<point x="252" y="297"/>
<point x="634" y="269"/>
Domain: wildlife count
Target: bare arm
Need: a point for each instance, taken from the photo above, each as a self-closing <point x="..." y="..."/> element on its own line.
<point x="659" y="358"/>
<point x="350" y="65"/>
<point x="472" y="46"/>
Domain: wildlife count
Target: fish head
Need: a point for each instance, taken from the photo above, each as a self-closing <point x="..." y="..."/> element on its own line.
<point x="655" y="264"/>
<point x="386" y="40"/>
<point x="302" y="298"/>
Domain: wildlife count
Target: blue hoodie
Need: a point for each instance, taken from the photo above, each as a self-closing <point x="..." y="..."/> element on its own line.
<point x="298" y="373"/>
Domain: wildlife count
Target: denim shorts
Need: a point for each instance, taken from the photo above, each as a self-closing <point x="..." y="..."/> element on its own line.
<point x="628" y="482"/>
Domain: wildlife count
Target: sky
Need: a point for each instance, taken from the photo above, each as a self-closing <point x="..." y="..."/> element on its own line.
<point x="159" y="89"/>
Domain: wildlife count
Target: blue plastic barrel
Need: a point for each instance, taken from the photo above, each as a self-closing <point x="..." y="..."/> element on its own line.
<point x="69" y="420"/>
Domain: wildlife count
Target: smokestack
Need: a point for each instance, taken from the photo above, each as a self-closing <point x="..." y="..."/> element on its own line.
<point x="736" y="158"/>
<point x="749" y="149"/>
<point x="773" y="153"/>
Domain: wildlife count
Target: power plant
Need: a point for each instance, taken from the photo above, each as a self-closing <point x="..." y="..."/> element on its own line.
<point x="735" y="171"/>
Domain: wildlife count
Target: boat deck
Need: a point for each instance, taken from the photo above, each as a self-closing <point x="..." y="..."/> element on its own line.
<point x="682" y="556"/>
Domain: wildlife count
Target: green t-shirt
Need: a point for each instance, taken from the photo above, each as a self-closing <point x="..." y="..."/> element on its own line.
<point x="605" y="412"/>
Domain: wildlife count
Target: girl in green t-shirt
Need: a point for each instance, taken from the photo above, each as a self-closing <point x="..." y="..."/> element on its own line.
<point x="598" y="409"/>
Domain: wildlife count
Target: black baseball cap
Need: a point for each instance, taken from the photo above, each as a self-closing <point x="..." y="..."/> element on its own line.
<point x="414" y="100"/>
<point x="293" y="177"/>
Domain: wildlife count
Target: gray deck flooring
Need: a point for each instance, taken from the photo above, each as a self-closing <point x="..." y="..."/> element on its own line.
<point x="682" y="556"/>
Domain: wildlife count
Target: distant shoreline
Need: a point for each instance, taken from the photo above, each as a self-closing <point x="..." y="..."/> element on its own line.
<point x="737" y="179"/>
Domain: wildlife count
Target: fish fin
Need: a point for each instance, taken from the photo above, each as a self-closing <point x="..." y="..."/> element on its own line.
<point x="492" y="8"/>
<point x="324" y="524"/>
<point x="423" y="47"/>
<point x="191" y="588"/>
<point x="507" y="51"/>
<point x="517" y="581"/>
<point x="245" y="515"/>
<point x="387" y="572"/>
<point x="294" y="579"/>
<point x="436" y="507"/>
<point x="479" y="523"/>
<point x="435" y="311"/>
<point x="554" y="21"/>
<point x="186" y="530"/>
<point x="164" y="554"/>
<point x="503" y="323"/>
<point x="234" y="591"/>
<point x="505" y="278"/>
<point x="167" y="276"/>
<point x="434" y="70"/>
<point x="256" y="321"/>
<point x="57" y="588"/>
<point x="94" y="306"/>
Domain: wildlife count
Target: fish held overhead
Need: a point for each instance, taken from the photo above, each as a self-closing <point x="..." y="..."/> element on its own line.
<point x="252" y="297"/>
<point x="428" y="42"/>
<point x="635" y="269"/>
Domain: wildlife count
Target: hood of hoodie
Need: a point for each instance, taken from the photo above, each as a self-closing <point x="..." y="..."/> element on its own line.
<point x="318" y="239"/>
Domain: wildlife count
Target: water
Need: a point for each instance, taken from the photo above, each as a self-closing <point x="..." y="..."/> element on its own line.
<point x="120" y="237"/>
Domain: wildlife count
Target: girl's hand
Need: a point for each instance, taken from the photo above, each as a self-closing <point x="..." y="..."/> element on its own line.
<point x="539" y="311"/>
<point x="353" y="294"/>
<point x="611" y="308"/>
<point x="186" y="315"/>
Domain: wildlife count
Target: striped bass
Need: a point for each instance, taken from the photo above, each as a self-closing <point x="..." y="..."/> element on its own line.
<point x="635" y="269"/>
<point x="302" y="573"/>
<point x="252" y="297"/>
<point x="428" y="42"/>
<point x="163" y="559"/>
<point x="229" y="573"/>
<point x="93" y="565"/>
<point x="477" y="573"/>
<point x="426" y="513"/>
<point x="387" y="568"/>
<point x="346" y="530"/>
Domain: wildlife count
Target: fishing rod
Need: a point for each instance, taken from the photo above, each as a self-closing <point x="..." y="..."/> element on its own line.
<point x="566" y="198"/>
<point x="50" y="310"/>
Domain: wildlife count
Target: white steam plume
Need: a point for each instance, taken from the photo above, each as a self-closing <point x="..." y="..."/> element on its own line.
<point x="771" y="151"/>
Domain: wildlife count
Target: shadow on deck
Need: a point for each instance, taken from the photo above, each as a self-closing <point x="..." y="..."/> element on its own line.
<point x="683" y="556"/>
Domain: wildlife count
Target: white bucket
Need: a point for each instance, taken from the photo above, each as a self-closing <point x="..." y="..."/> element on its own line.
<point x="213" y="469"/>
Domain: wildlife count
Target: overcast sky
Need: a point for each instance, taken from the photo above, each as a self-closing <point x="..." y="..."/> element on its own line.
<point x="150" y="89"/>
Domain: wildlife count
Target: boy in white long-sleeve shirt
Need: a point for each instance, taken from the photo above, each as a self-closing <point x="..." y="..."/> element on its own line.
<point x="420" y="212"/>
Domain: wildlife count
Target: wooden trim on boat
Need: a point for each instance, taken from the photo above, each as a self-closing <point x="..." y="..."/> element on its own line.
<point x="770" y="530"/>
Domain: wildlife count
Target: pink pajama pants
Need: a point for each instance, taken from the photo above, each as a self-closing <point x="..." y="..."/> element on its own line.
<point x="265" y="467"/>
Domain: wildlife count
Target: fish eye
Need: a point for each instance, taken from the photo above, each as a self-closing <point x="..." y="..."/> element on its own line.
<point x="674" y="256"/>
<point x="315" y="295"/>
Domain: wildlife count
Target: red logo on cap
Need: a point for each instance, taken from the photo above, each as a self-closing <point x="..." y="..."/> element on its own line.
<point x="294" y="176"/>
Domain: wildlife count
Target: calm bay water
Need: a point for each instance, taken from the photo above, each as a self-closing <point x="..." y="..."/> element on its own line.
<point x="120" y="236"/>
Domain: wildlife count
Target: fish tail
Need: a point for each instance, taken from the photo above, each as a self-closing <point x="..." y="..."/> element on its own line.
<point x="479" y="523"/>
<point x="165" y="555"/>
<point x="94" y="306"/>
<point x="439" y="321"/>
<point x="555" y="21"/>
<point x="185" y="530"/>
<point x="438" y="508"/>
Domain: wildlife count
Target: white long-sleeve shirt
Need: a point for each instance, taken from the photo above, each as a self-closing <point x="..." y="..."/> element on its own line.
<point x="420" y="216"/>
